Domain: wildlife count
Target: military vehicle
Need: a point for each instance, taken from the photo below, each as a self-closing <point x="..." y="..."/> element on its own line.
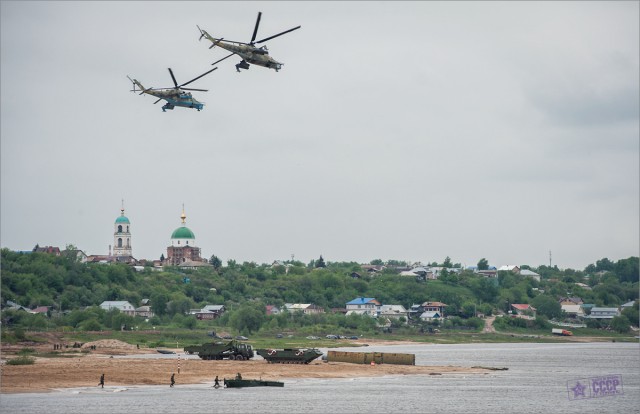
<point x="240" y="383"/>
<point x="289" y="356"/>
<point x="232" y="350"/>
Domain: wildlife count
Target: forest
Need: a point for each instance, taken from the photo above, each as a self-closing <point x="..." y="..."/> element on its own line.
<point x="73" y="292"/>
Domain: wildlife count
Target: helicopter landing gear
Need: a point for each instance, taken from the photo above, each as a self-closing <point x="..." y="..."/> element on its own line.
<point x="242" y="65"/>
<point x="167" y="106"/>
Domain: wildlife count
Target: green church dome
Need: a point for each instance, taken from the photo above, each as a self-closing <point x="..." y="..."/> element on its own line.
<point x="122" y="219"/>
<point x="183" y="233"/>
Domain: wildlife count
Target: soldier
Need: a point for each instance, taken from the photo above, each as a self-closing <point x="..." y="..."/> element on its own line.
<point x="173" y="381"/>
<point x="216" y="382"/>
<point x="101" y="380"/>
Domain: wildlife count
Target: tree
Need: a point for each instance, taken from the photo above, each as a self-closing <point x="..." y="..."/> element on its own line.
<point x="320" y="262"/>
<point x="249" y="318"/>
<point x="547" y="306"/>
<point x="215" y="262"/>
<point x="159" y="303"/>
<point x="620" y="324"/>
<point x="483" y="264"/>
<point x="447" y="262"/>
<point x="631" y="314"/>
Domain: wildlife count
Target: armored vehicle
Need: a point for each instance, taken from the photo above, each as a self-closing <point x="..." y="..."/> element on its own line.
<point x="232" y="350"/>
<point x="289" y="356"/>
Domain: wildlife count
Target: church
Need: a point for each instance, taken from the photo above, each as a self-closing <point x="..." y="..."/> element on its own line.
<point x="183" y="251"/>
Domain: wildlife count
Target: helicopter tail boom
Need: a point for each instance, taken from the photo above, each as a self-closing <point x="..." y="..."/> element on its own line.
<point x="138" y="84"/>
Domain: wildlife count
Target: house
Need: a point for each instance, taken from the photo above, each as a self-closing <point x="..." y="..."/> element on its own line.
<point x="523" y="310"/>
<point x="573" y="311"/>
<point x="509" y="268"/>
<point x="373" y="268"/>
<point x="393" y="311"/>
<point x="434" y="307"/>
<point x="14" y="306"/>
<point x="121" y="305"/>
<point x="603" y="313"/>
<point x="272" y="310"/>
<point x="369" y="306"/>
<point x="208" y="312"/>
<point x="583" y="285"/>
<point x="144" y="311"/>
<point x="355" y="275"/>
<point x="47" y="249"/>
<point x="529" y="273"/>
<point x="41" y="310"/>
<point x="78" y="255"/>
<point x="430" y="316"/>
<point x="572" y="300"/>
<point x="306" y="308"/>
<point x="627" y="305"/>
<point x="488" y="273"/>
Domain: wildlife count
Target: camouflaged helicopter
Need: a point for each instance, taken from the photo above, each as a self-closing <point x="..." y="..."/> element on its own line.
<point x="176" y="96"/>
<point x="249" y="52"/>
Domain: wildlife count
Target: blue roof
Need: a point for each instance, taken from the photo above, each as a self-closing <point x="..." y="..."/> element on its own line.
<point x="360" y="301"/>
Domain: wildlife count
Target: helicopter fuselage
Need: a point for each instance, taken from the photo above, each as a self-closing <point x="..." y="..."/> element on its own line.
<point x="179" y="98"/>
<point x="251" y="54"/>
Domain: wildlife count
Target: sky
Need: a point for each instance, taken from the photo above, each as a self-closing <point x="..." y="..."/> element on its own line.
<point x="395" y="130"/>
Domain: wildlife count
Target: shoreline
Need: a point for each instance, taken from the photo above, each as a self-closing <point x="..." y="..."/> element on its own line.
<point x="53" y="374"/>
<point x="81" y="368"/>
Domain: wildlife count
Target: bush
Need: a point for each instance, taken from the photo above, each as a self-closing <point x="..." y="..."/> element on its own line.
<point x="22" y="360"/>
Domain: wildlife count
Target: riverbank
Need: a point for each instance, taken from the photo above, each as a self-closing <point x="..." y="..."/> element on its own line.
<point x="49" y="374"/>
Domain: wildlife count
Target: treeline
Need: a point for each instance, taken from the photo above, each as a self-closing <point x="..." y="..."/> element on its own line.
<point x="74" y="291"/>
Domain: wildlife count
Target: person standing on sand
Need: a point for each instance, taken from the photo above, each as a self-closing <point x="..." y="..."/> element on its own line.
<point x="101" y="380"/>
<point x="173" y="381"/>
<point x="216" y="382"/>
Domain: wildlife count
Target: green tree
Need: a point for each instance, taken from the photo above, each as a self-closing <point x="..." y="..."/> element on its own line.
<point x="159" y="303"/>
<point x="215" y="262"/>
<point x="631" y="314"/>
<point x="620" y="324"/>
<point x="249" y="318"/>
<point x="547" y="306"/>
<point x="320" y="262"/>
<point x="483" y="264"/>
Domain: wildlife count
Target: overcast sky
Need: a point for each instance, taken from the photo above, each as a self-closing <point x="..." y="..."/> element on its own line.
<point x="395" y="130"/>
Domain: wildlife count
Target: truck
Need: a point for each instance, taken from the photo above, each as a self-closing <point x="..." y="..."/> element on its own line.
<point x="562" y="332"/>
<point x="232" y="350"/>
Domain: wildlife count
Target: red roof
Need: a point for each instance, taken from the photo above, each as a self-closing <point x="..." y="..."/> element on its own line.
<point x="522" y="306"/>
<point x="434" y="304"/>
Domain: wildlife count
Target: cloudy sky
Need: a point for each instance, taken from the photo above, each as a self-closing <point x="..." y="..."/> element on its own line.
<point x="409" y="131"/>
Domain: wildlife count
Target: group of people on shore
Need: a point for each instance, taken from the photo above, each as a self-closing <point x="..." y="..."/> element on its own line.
<point x="216" y="381"/>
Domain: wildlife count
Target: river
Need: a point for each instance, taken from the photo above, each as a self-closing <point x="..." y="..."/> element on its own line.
<point x="541" y="378"/>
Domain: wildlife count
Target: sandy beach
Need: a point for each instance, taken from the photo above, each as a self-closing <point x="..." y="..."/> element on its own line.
<point x="75" y="369"/>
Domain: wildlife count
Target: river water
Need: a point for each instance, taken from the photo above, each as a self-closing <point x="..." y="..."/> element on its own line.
<point x="541" y="379"/>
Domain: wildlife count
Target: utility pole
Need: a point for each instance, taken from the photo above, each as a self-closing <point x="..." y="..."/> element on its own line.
<point x="549" y="258"/>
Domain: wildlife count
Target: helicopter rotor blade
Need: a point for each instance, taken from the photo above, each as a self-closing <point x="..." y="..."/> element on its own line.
<point x="192" y="89"/>
<point x="173" y="77"/>
<point x="157" y="101"/>
<point x="279" y="34"/>
<point x="194" y="79"/>
<point x="255" y="29"/>
<point x="201" y="33"/>
<point x="217" y="61"/>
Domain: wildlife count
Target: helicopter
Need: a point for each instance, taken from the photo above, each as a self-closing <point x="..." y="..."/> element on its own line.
<point x="249" y="52"/>
<point x="175" y="96"/>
